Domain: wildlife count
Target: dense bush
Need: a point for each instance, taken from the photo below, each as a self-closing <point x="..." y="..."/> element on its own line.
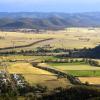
<point x="75" y="93"/>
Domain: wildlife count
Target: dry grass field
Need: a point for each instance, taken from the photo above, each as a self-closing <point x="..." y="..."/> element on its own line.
<point x="46" y="80"/>
<point x="68" y="38"/>
<point x="90" y="80"/>
<point x="25" y="68"/>
<point x="37" y="76"/>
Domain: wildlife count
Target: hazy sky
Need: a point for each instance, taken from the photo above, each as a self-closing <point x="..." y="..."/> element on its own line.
<point x="49" y="5"/>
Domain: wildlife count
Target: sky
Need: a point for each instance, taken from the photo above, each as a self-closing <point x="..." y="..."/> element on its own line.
<point x="68" y="6"/>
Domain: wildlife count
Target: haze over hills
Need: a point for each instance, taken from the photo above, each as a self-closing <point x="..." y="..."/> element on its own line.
<point x="55" y="20"/>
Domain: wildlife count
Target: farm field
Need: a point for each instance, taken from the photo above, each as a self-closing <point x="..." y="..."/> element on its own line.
<point x="73" y="66"/>
<point x="90" y="80"/>
<point x="77" y="37"/>
<point x="77" y="69"/>
<point x="69" y="38"/>
<point x="22" y="58"/>
<point x="84" y="72"/>
<point x="25" y="68"/>
<point x="37" y="76"/>
<point x="46" y="80"/>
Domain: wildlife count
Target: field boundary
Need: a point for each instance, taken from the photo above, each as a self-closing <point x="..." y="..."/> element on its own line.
<point x="28" y="45"/>
<point x="73" y="80"/>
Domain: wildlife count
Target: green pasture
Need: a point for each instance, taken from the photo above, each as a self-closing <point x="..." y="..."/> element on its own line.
<point x="79" y="69"/>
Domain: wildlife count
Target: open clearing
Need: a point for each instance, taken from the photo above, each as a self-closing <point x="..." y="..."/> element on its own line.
<point x="68" y="38"/>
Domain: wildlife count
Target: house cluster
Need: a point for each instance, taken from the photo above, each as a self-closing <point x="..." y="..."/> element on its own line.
<point x="19" y="80"/>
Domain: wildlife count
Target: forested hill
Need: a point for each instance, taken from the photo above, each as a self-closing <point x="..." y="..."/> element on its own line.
<point x="48" y="20"/>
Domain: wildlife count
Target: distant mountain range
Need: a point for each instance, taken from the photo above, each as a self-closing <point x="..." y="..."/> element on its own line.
<point x="55" y="20"/>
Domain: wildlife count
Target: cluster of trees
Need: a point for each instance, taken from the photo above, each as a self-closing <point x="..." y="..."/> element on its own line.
<point x="32" y="89"/>
<point x="93" y="62"/>
<point x="64" y="60"/>
<point x="83" y="53"/>
<point x="74" y="53"/>
<point x="75" y="93"/>
<point x="80" y="92"/>
<point x="7" y="93"/>
<point x="12" y="90"/>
